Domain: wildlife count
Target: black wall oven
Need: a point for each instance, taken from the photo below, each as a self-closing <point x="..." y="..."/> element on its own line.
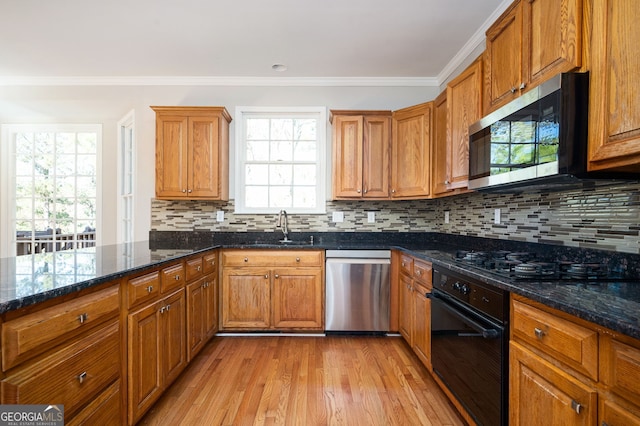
<point x="469" y="343"/>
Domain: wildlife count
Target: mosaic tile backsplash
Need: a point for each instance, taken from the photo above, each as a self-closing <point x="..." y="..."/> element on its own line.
<point x="604" y="218"/>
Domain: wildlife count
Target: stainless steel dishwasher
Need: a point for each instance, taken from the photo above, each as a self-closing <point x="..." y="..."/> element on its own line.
<point x="357" y="291"/>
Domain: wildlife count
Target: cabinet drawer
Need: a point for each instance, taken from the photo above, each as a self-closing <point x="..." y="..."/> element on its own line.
<point x="143" y="288"/>
<point x="105" y="410"/>
<point x="620" y="368"/>
<point x="406" y="264"/>
<point x="422" y="273"/>
<point x="72" y="376"/>
<point x="172" y="277"/>
<point x="567" y="342"/>
<point x="210" y="262"/>
<point x="32" y="334"/>
<point x="272" y="258"/>
<point x="194" y="268"/>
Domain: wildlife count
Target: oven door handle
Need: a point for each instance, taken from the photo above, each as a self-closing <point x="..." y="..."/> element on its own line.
<point x="486" y="333"/>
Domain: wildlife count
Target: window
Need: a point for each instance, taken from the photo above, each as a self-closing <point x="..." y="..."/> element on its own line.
<point x="51" y="187"/>
<point x="280" y="160"/>
<point x="126" y="178"/>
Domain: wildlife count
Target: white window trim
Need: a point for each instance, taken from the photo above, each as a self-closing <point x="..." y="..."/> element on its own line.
<point x="7" y="177"/>
<point x="126" y="122"/>
<point x="239" y="162"/>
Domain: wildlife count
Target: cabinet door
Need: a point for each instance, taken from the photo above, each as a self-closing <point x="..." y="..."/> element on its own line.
<point x="411" y="152"/>
<point x="211" y="304"/>
<point x="144" y="359"/>
<point x="552" y="38"/>
<point x="503" y="65"/>
<point x="347" y="156"/>
<point x="246" y="298"/>
<point x="439" y="161"/>
<point x="406" y="308"/>
<point x="171" y="155"/>
<point x="422" y="325"/>
<point x="297" y="298"/>
<point x="614" y="116"/>
<point x="196" y="317"/>
<point x="613" y="414"/>
<point x="174" y="330"/>
<point x="204" y="157"/>
<point x="464" y="107"/>
<point x="375" y="164"/>
<point x="541" y="391"/>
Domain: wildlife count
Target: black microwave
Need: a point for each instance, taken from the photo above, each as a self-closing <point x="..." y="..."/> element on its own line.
<point x="537" y="141"/>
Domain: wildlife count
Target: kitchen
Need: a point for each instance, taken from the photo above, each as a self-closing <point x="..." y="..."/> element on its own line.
<point x="571" y="218"/>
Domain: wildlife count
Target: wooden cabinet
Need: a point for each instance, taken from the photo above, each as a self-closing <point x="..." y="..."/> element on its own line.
<point x="539" y="390"/>
<point x="66" y="353"/>
<point x="464" y="107"/>
<point x="575" y="371"/>
<point x="614" y="117"/>
<point x="439" y="148"/>
<point x="532" y="41"/>
<point x="361" y="144"/>
<point x="156" y="335"/>
<point x="415" y="306"/>
<point x="272" y="289"/>
<point x="411" y="152"/>
<point x="192" y="153"/>
<point x="202" y="309"/>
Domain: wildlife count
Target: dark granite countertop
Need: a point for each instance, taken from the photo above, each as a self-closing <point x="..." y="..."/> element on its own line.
<point x="26" y="280"/>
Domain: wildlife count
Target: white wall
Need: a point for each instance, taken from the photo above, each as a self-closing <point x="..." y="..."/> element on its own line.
<point x="108" y="104"/>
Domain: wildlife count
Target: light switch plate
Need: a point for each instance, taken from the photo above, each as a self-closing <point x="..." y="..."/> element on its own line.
<point x="220" y="216"/>
<point x="496" y="216"/>
<point x="446" y="216"/>
<point x="337" y="217"/>
<point x="371" y="217"/>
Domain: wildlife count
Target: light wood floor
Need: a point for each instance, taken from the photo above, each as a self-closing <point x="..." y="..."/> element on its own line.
<point x="285" y="380"/>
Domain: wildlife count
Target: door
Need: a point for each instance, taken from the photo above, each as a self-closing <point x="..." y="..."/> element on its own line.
<point x="204" y="156"/>
<point x="211" y="304"/>
<point x="246" y="298"/>
<point x="297" y="298"/>
<point x="422" y="325"/>
<point x="406" y="308"/>
<point x="173" y="338"/>
<point x="171" y="155"/>
<point x="375" y="163"/>
<point x="347" y="156"/>
<point x="196" y="317"/>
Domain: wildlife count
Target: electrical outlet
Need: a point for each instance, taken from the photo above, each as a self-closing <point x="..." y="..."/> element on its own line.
<point x="337" y="217"/>
<point x="446" y="216"/>
<point x="496" y="216"/>
<point x="371" y="217"/>
<point x="220" y="216"/>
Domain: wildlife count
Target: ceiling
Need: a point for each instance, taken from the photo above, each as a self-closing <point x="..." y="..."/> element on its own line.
<point x="182" y="41"/>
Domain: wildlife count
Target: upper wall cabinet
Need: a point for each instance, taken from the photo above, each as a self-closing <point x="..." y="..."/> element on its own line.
<point x="361" y="142"/>
<point x="411" y="152"/>
<point x="192" y="153"/>
<point x="614" y="107"/>
<point x="532" y="41"/>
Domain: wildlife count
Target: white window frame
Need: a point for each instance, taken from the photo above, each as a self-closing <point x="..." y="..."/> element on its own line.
<point x="126" y="217"/>
<point x="8" y="184"/>
<point x="241" y="114"/>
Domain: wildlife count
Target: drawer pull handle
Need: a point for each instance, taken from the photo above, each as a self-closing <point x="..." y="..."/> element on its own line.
<point x="577" y="407"/>
<point x="297" y="259"/>
<point x="539" y="333"/>
<point x="82" y="376"/>
<point x="150" y="289"/>
<point x="83" y="318"/>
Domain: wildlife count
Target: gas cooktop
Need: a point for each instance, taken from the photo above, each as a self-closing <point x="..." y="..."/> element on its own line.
<point x="530" y="266"/>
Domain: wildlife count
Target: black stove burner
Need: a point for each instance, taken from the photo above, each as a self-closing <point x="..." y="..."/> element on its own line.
<point x="525" y="265"/>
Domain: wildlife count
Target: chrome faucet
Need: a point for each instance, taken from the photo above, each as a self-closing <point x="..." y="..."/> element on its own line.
<point x="283" y="224"/>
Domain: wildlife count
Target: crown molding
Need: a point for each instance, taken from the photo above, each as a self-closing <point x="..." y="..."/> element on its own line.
<point x="218" y="81"/>
<point x="472" y="44"/>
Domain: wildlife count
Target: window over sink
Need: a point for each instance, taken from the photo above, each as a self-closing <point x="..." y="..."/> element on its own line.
<point x="280" y="155"/>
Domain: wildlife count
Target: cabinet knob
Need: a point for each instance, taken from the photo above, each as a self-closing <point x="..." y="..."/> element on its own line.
<point x="393" y="190"/>
<point x="523" y="85"/>
<point x="246" y="259"/>
<point x="198" y="268"/>
<point x="184" y="191"/>
<point x="358" y="191"/>
<point x="418" y="272"/>
<point x="513" y="90"/>
<point x="162" y="310"/>
<point x="577" y="407"/>
<point x="277" y="276"/>
<point x="297" y="259"/>
<point x="82" y="376"/>
<point x="168" y="307"/>
<point x="365" y="190"/>
<point x="446" y="182"/>
<point x="189" y="191"/>
<point x="177" y="277"/>
<point x="402" y="264"/>
<point x="149" y="289"/>
<point x="539" y="333"/>
<point x="266" y="276"/>
<point x="83" y="318"/>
